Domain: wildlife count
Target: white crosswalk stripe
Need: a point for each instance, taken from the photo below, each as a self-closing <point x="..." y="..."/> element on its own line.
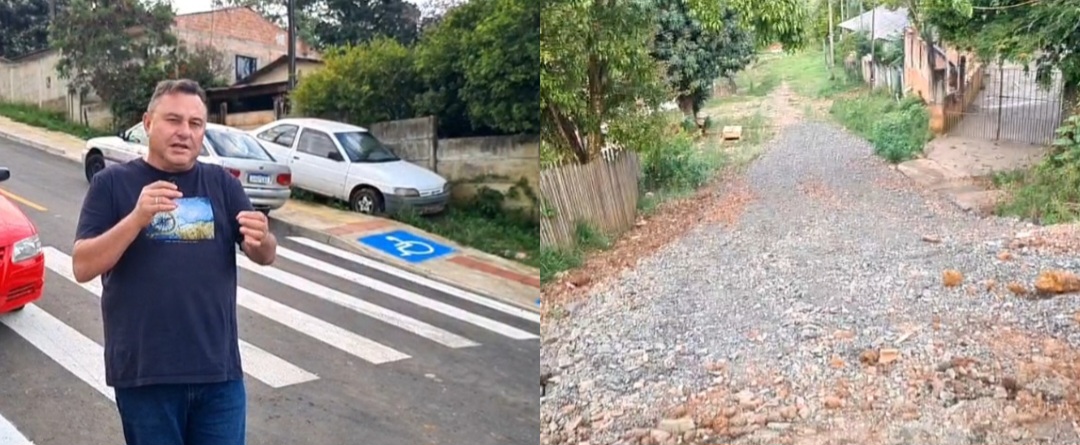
<point x="83" y="358"/>
<point x="406" y="295"/>
<point x="77" y="353"/>
<point x="9" y="435"/>
<point x="405" y="322"/>
<point x="423" y="281"/>
<point x="315" y="328"/>
<point x="262" y="365"/>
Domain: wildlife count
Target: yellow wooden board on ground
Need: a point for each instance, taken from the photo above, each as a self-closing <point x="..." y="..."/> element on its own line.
<point x="731" y="133"/>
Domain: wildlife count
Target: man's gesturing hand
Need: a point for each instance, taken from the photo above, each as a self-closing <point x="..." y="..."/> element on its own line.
<point x="155" y="198"/>
<point x="253" y="226"/>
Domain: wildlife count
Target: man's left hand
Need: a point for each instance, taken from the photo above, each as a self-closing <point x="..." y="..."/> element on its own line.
<point x="253" y="226"/>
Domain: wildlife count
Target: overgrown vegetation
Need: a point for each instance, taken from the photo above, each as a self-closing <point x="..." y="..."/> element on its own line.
<point x="476" y="71"/>
<point x="898" y="129"/>
<point x="586" y="238"/>
<point x="121" y="50"/>
<point x="483" y="222"/>
<point x="1050" y="192"/>
<point x="50" y="120"/>
<point x="805" y="72"/>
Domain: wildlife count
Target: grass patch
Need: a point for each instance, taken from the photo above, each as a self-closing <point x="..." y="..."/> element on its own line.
<point x="806" y="73"/>
<point x="1050" y="192"/>
<point x="480" y="222"/>
<point x="1010" y="178"/>
<point x="586" y="238"/>
<point x="1044" y="195"/>
<point x="898" y="129"/>
<point x="508" y="233"/>
<point x="47" y="119"/>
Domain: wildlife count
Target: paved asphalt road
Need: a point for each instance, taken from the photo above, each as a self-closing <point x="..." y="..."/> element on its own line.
<point x="329" y="359"/>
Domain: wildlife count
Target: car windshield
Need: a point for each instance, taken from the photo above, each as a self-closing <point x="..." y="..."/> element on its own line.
<point x="364" y="147"/>
<point x="234" y="144"/>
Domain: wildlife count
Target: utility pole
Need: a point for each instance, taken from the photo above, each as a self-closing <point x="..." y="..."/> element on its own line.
<point x="873" y="45"/>
<point x="832" y="50"/>
<point x="292" y="44"/>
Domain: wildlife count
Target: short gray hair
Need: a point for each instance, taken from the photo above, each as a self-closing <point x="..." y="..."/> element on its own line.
<point x="176" y="86"/>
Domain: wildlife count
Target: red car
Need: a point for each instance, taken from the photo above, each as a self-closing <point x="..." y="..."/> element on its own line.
<point x="22" y="264"/>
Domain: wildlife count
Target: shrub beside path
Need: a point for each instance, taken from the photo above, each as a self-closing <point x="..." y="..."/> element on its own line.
<point x="817" y="297"/>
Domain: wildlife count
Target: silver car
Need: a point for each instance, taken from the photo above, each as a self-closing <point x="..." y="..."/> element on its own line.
<point x="265" y="181"/>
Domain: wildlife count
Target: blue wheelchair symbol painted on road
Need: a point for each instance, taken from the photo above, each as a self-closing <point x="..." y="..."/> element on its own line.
<point x="406" y="246"/>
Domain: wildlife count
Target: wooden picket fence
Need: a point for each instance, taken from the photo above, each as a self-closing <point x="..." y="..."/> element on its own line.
<point x="603" y="192"/>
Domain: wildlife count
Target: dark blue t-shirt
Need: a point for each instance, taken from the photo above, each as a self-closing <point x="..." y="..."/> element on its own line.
<point x="169" y="304"/>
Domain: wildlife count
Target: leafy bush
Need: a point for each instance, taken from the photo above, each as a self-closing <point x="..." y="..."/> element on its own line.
<point x="677" y="165"/>
<point x="1050" y="193"/>
<point x="902" y="131"/>
<point x="898" y="130"/>
<point x="362" y="84"/>
<point x="480" y="68"/>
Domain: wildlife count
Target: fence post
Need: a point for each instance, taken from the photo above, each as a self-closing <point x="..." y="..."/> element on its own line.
<point x="1001" y="100"/>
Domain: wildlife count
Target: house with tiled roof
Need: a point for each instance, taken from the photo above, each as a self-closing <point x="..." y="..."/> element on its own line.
<point x="246" y="39"/>
<point x="252" y="48"/>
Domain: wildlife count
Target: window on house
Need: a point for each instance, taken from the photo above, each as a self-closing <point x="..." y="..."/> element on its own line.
<point x="245" y="66"/>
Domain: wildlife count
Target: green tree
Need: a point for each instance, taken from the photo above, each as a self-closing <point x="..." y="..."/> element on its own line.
<point x="201" y="65"/>
<point x="773" y="21"/>
<point x="341" y="22"/>
<point x="595" y="64"/>
<point x="103" y="43"/>
<point x="25" y="26"/>
<point x="695" y="56"/>
<point x="361" y="84"/>
<point x="480" y="68"/>
<point x="120" y="50"/>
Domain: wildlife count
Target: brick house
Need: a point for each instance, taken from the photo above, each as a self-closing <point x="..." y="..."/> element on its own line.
<point x="248" y="42"/>
<point x="948" y="86"/>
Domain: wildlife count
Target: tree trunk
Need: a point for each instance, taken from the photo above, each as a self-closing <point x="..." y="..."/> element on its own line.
<point x="596" y="90"/>
<point x="568" y="131"/>
<point x="1070" y="97"/>
<point x="686" y="105"/>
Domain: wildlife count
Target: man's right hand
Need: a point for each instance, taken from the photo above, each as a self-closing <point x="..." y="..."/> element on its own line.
<point x="155" y="198"/>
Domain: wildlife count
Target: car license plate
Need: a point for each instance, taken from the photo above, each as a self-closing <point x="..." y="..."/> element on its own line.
<point x="431" y="209"/>
<point x="258" y="179"/>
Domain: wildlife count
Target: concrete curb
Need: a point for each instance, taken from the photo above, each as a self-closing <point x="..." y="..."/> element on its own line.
<point x="43" y="147"/>
<point x="326" y="238"/>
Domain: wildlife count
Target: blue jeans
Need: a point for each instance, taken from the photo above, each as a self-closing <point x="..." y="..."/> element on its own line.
<point x="198" y="414"/>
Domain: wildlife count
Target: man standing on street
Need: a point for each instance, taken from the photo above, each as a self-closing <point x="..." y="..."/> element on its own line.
<point x="162" y="232"/>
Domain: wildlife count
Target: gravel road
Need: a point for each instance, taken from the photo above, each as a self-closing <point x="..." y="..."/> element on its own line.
<point x="820" y="316"/>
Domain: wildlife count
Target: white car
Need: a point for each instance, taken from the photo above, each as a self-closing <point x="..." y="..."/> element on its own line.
<point x="266" y="181"/>
<point x="347" y="162"/>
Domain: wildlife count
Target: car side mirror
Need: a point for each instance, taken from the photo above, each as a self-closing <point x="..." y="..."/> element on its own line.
<point x="5" y="174"/>
<point x="336" y="156"/>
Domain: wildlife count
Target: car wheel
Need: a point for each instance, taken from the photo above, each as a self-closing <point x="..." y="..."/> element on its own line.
<point x="367" y="201"/>
<point x="94" y="164"/>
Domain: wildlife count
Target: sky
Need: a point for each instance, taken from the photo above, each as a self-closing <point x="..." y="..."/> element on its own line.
<point x="188" y="6"/>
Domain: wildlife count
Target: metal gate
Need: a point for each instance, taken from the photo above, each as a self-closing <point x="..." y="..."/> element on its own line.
<point x="1010" y="106"/>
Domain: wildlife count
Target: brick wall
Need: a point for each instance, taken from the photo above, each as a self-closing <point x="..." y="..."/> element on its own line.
<point x="238" y="31"/>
